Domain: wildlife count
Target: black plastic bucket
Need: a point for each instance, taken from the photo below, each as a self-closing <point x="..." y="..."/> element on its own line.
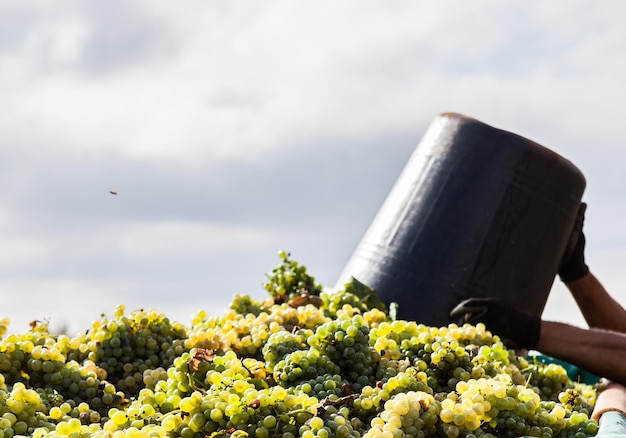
<point x="476" y="212"/>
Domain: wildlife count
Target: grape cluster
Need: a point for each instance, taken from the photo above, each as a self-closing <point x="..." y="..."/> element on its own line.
<point x="551" y="379"/>
<point x="248" y="333"/>
<point x="243" y="304"/>
<point x="324" y="386"/>
<point x="282" y="343"/>
<point x="446" y="354"/>
<point x="289" y="280"/>
<point x="41" y="361"/>
<point x="345" y="341"/>
<point x="125" y="346"/>
<point x="304" y="363"/>
<point x="371" y="401"/>
<point x="355" y="296"/>
<point x="414" y="413"/>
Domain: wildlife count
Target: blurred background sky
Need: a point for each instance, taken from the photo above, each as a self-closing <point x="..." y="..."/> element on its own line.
<point x="233" y="130"/>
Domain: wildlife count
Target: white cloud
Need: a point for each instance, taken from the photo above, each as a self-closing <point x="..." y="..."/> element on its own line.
<point x="170" y="239"/>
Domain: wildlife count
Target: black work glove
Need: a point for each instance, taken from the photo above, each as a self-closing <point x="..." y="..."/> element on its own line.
<point x="516" y="328"/>
<point x="573" y="264"/>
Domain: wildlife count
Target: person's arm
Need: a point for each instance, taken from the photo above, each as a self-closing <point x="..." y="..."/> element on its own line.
<point x="598" y="351"/>
<point x="597" y="306"/>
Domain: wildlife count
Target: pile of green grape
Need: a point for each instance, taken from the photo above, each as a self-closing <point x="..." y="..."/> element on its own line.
<point x="303" y="363"/>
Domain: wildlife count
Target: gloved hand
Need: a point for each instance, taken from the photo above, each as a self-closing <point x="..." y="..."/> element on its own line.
<point x="516" y="328"/>
<point x="573" y="264"/>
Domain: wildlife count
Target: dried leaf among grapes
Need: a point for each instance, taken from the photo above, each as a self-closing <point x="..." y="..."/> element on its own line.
<point x="199" y="355"/>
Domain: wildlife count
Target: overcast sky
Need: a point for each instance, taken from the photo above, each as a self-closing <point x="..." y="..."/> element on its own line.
<point x="232" y="130"/>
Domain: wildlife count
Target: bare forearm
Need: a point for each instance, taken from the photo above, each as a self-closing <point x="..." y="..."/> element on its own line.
<point x="595" y="350"/>
<point x="597" y="306"/>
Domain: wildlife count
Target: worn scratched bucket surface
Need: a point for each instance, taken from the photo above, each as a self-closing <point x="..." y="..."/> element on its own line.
<point x="476" y="212"/>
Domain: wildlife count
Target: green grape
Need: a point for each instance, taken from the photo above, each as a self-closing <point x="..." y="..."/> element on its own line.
<point x="244" y="304"/>
<point x="289" y="280"/>
<point x="282" y="343"/>
<point x="291" y="366"/>
<point x="354" y="295"/>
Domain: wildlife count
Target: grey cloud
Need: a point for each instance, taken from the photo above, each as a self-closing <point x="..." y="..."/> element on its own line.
<point x="313" y="181"/>
<point x="124" y="35"/>
<point x="118" y="36"/>
<point x="15" y="24"/>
